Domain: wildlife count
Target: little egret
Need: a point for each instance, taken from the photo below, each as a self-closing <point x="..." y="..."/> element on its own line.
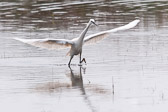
<point x="76" y="44"/>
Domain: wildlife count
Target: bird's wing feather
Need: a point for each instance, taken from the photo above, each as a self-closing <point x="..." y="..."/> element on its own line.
<point x="50" y="44"/>
<point x="99" y="36"/>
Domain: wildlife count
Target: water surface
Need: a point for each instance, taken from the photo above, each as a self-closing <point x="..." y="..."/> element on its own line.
<point x="126" y="72"/>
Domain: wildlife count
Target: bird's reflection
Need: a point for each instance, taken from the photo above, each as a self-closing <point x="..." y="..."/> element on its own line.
<point x="77" y="81"/>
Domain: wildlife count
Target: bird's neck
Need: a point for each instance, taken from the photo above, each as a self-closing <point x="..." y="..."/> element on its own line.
<point x="82" y="35"/>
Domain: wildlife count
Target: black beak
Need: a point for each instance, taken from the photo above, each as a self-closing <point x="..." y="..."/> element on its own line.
<point x="94" y="23"/>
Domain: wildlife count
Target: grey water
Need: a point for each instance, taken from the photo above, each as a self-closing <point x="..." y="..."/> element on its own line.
<point x="126" y="72"/>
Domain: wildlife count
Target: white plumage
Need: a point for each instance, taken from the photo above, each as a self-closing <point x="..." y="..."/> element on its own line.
<point x="76" y="44"/>
<point x="48" y="43"/>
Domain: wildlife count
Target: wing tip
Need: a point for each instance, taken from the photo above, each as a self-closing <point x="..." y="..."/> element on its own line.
<point x="17" y="39"/>
<point x="21" y="40"/>
<point x="137" y="21"/>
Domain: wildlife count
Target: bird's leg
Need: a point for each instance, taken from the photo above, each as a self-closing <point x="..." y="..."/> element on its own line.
<point x="83" y="60"/>
<point x="80" y="58"/>
<point x="80" y="62"/>
<point x="70" y="61"/>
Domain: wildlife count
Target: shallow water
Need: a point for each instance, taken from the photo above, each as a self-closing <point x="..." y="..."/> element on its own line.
<point x="126" y="72"/>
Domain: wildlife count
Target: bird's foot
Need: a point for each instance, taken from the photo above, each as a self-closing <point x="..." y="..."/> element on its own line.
<point x="83" y="60"/>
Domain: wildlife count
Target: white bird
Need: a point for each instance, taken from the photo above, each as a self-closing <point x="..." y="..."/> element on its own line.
<point x="76" y="44"/>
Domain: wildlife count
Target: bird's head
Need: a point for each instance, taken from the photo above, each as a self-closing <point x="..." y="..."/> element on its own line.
<point x="93" y="21"/>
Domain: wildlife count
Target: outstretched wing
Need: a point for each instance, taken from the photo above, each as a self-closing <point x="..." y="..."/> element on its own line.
<point x="50" y="44"/>
<point x="99" y="36"/>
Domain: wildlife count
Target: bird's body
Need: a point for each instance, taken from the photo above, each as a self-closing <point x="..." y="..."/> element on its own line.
<point x="76" y="44"/>
<point x="76" y="48"/>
